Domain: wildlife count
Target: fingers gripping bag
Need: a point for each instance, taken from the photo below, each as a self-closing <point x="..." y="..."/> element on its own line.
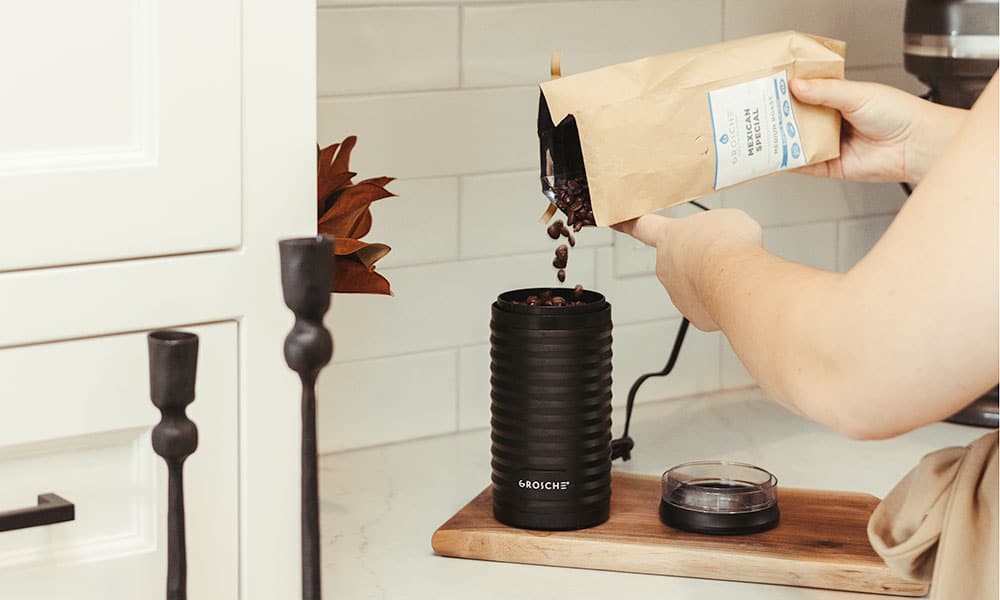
<point x="630" y="139"/>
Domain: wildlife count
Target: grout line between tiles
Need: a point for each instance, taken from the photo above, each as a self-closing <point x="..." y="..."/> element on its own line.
<point x="836" y="248"/>
<point x="368" y="95"/>
<point x="461" y="46"/>
<point x="474" y="430"/>
<point x="465" y="259"/>
<point x="462" y="87"/>
<point x="460" y="184"/>
<point x="843" y="219"/>
<point x="722" y="359"/>
<point x="722" y="15"/>
<point x="675" y="318"/>
<point x="438" y="3"/>
<point x="459" y="258"/>
<point x="525" y="172"/>
<point x="458" y="389"/>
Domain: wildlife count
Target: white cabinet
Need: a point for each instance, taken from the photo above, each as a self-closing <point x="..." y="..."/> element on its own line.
<point x="152" y="154"/>
<point x="82" y="431"/>
<point x="120" y="130"/>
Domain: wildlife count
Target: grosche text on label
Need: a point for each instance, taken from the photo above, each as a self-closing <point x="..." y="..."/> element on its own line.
<point x="542" y="485"/>
<point x="755" y="130"/>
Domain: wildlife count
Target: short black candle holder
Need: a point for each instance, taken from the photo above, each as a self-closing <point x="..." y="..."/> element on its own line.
<point x="306" y="272"/>
<point x="173" y="361"/>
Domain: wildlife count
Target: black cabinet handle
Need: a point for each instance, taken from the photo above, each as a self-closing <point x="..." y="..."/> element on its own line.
<point x="52" y="508"/>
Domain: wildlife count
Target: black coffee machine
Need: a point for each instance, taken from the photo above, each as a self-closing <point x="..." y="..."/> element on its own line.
<point x="952" y="47"/>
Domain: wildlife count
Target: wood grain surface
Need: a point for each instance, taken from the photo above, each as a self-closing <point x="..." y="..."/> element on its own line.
<point x="821" y="542"/>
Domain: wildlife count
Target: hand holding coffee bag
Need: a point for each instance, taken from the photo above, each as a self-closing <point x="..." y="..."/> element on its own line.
<point x="660" y="131"/>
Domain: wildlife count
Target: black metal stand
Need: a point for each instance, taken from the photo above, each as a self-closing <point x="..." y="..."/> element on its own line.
<point x="173" y="361"/>
<point x="306" y="271"/>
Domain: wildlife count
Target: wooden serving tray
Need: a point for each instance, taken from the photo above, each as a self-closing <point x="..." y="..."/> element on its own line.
<point x="821" y="542"/>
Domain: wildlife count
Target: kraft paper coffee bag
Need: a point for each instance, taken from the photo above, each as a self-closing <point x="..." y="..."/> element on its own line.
<point x="656" y="132"/>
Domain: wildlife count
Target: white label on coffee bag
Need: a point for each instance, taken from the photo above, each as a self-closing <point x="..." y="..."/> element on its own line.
<point x="755" y="130"/>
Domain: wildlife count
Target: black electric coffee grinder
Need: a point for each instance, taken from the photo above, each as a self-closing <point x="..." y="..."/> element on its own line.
<point x="550" y="408"/>
<point x="952" y="46"/>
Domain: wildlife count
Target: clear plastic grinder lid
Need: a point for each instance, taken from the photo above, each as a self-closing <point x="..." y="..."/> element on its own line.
<point x="719" y="487"/>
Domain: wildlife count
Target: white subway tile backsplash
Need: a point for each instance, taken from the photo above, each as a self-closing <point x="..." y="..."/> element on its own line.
<point x="873" y="29"/>
<point x="644" y="348"/>
<point x="632" y="257"/>
<point x="435" y="134"/>
<point x="508" y="44"/>
<point x="474" y="387"/>
<point x="857" y="237"/>
<point x="420" y="224"/>
<point x="500" y="216"/>
<point x="363" y="50"/>
<point x="441" y="305"/>
<point x="633" y="299"/>
<point x="813" y="244"/>
<point x="372" y="402"/>
<point x="788" y="198"/>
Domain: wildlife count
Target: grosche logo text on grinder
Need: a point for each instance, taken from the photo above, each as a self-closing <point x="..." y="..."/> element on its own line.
<point x="543" y="485"/>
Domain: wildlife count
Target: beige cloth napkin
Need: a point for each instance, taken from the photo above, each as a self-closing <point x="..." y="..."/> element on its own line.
<point x="939" y="524"/>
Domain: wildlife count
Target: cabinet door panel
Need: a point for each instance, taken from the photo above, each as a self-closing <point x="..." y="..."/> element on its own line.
<point x="121" y="130"/>
<point x="76" y="422"/>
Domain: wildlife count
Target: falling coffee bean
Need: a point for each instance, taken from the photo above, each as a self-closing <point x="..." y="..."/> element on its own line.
<point x="556" y="229"/>
<point x="578" y="291"/>
<point x="572" y="197"/>
<point x="562" y="257"/>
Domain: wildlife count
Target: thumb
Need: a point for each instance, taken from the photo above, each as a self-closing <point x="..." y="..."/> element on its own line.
<point x="845" y="96"/>
<point x="647" y="229"/>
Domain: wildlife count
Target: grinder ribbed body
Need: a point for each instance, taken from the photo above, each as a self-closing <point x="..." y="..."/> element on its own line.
<point x="551" y="412"/>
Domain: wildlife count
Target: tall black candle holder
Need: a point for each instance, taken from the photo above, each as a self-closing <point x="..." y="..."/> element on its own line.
<point x="173" y="362"/>
<point x="306" y="272"/>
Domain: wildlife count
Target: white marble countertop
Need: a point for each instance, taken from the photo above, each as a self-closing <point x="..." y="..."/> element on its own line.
<point x="381" y="505"/>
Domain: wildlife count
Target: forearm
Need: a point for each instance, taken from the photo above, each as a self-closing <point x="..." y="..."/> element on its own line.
<point x="895" y="344"/>
<point x="904" y="339"/>
<point x="780" y="319"/>
<point x="932" y="131"/>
